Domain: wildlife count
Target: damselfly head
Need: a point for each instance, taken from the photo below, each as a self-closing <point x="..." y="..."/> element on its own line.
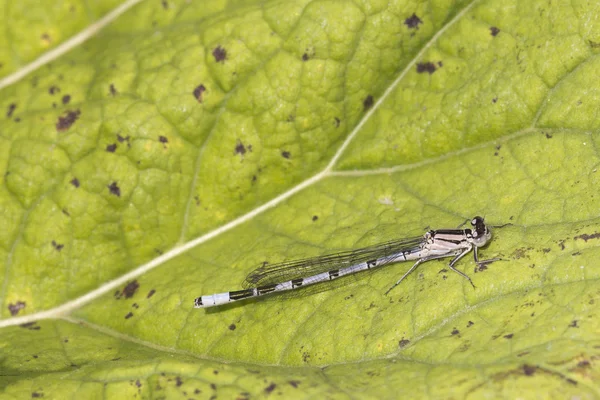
<point x="481" y="233"/>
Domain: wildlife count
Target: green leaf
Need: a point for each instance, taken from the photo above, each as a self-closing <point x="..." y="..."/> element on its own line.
<point x="185" y="144"/>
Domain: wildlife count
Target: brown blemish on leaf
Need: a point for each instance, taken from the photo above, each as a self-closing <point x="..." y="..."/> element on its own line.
<point x="150" y="293"/>
<point x="315" y="217"/>
<point x="232" y="327"/>
<point x="15" y="308"/>
<point x="129" y="315"/>
<point x="67" y="120"/>
<point x="494" y="31"/>
<point x="573" y="324"/>
<point x="529" y="370"/>
<point x="455" y="331"/>
<point x="403" y="343"/>
<point x="270" y="388"/>
<point x="130" y="289"/>
<point x="114" y="189"/>
<point x="11" y="109"/>
<point x="470" y="323"/>
<point x="413" y="21"/>
<point x="428" y="67"/>
<point x="305" y="57"/>
<point x="66" y="99"/>
<point x="220" y="54"/>
<point x="509" y="336"/>
<point x="31" y="326"/>
<point x="240" y="148"/>
<point x="585" y="237"/>
<point x="368" y="102"/>
<point x="294" y="384"/>
<point x="75" y="182"/>
<point x="111" y="148"/>
<point x="113" y="91"/>
<point x="53" y="90"/>
<point x="57" y="246"/>
<point x="178" y="381"/>
<point x="286" y="154"/>
<point x="199" y="92"/>
<point x="337" y="122"/>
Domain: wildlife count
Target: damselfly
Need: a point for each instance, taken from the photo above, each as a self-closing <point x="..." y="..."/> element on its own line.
<point x="296" y="274"/>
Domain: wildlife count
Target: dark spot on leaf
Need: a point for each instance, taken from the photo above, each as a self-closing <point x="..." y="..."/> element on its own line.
<point x="571" y="381"/>
<point x="53" y="90"/>
<point x="75" y="182"/>
<point x="111" y="148"/>
<point x="368" y="103"/>
<point x="197" y="199"/>
<point x="529" y="370"/>
<point x="428" y="67"/>
<point x="130" y="289"/>
<point x="294" y="384"/>
<point x="580" y="364"/>
<point x="494" y="100"/>
<point x="315" y="217"/>
<point x="305" y="57"/>
<point x="494" y="31"/>
<point x="165" y="4"/>
<point x="163" y="139"/>
<point x="215" y="372"/>
<point x="232" y="327"/>
<point x="240" y="148"/>
<point x="17" y="119"/>
<point x="455" y="331"/>
<point x="470" y="323"/>
<point x="270" y="388"/>
<point x="31" y="326"/>
<point x="546" y="250"/>
<point x="35" y="356"/>
<point x="11" y="109"/>
<point x="36" y="395"/>
<point x="548" y="136"/>
<point x="197" y="391"/>
<point x="113" y="91"/>
<point x="254" y="178"/>
<point x="220" y="54"/>
<point x="585" y="237"/>
<point x="129" y="315"/>
<point x="440" y="64"/>
<point x="150" y="293"/>
<point x="403" y="343"/>
<point x="64" y="210"/>
<point x="15" y="308"/>
<point x="114" y="189"/>
<point x="198" y="93"/>
<point x="66" y="121"/>
<point x="573" y="324"/>
<point x="509" y="336"/>
<point x="57" y="246"/>
<point x="178" y="381"/>
<point x="522" y="354"/>
<point x="135" y="305"/>
<point x="286" y="154"/>
<point x="138" y="383"/>
<point x="337" y="122"/>
<point x="577" y="253"/>
<point x="122" y="139"/>
<point x="66" y="99"/>
<point x="413" y="21"/>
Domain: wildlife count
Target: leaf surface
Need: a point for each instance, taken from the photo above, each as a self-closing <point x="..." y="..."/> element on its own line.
<point x="186" y="144"/>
